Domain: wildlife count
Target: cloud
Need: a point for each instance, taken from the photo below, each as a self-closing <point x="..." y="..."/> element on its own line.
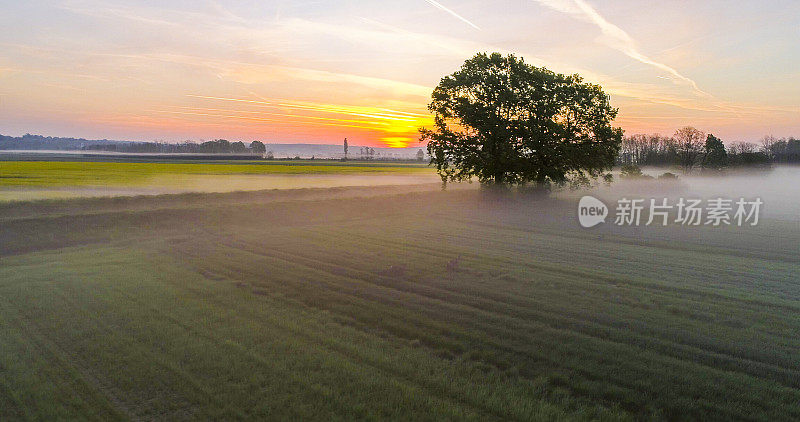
<point x="456" y="15"/>
<point x="335" y="109"/>
<point x="387" y="123"/>
<point x="377" y="59"/>
<point x="251" y="73"/>
<point x="615" y="37"/>
<point x="7" y="71"/>
<point x="103" y="10"/>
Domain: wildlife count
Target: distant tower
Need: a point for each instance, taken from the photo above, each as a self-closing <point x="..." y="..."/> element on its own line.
<point x="345" y="148"/>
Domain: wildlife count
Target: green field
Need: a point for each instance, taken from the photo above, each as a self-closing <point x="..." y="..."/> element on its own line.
<point x="88" y="177"/>
<point x="413" y="306"/>
<point x="98" y="173"/>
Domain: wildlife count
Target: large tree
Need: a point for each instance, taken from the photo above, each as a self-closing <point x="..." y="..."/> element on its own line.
<point x="506" y="122"/>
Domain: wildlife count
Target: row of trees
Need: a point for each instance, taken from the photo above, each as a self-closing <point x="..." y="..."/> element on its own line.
<point x="690" y="148"/>
<point x="217" y="146"/>
<point x="28" y="142"/>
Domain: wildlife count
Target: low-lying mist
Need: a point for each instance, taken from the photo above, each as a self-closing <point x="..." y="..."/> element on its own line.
<point x="778" y="188"/>
<point x="185" y="183"/>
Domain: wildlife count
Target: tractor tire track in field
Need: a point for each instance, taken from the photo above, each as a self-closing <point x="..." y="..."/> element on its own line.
<point x="293" y="259"/>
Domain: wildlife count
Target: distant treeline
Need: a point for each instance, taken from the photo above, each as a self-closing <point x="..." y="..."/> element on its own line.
<point x="218" y="146"/>
<point x="687" y="148"/>
<point x="690" y="148"/>
<point x="38" y="142"/>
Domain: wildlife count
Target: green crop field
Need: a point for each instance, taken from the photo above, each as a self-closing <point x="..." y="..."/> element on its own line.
<point x="37" y="180"/>
<point x="414" y="306"/>
<point x="95" y="173"/>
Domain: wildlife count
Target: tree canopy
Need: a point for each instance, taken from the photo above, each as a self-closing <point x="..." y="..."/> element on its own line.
<point x="716" y="157"/>
<point x="506" y="122"/>
<point x="690" y="146"/>
<point x="258" y="147"/>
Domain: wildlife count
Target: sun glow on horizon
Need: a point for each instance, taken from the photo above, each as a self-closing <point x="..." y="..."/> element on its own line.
<point x="284" y="73"/>
<point x="390" y="127"/>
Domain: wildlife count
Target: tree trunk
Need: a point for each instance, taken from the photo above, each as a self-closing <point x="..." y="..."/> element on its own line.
<point x="499" y="178"/>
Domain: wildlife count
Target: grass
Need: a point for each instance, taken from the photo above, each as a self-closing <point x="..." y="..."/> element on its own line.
<point x="26" y="174"/>
<point x="428" y="305"/>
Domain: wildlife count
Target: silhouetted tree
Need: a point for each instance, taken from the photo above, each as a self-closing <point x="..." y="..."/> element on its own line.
<point x="420" y="155"/>
<point x="369" y="153"/>
<point x="652" y="150"/>
<point x="767" y="145"/>
<point x="715" y="155"/>
<point x="216" y="146"/>
<point x="507" y="122"/>
<point x="743" y="148"/>
<point x="345" y="148"/>
<point x="690" y="146"/>
<point x="746" y="154"/>
<point x="631" y="171"/>
<point x="793" y="150"/>
<point x="258" y="147"/>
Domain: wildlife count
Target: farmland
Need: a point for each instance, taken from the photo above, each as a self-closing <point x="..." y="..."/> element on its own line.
<point x="80" y="177"/>
<point x="397" y="303"/>
<point x="79" y="173"/>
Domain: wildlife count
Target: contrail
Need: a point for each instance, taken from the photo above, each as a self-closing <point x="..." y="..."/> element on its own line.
<point x="615" y="37"/>
<point x="459" y="17"/>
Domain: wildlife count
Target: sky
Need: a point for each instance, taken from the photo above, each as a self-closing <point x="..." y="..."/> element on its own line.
<point x="319" y="71"/>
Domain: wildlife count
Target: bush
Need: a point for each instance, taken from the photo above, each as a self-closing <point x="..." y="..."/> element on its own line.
<point x="668" y="176"/>
<point x="631" y="171"/>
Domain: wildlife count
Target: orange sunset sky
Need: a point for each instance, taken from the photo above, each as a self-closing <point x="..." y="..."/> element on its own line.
<point x="320" y="71"/>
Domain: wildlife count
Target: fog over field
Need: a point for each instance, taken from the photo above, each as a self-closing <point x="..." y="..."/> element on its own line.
<point x="324" y="290"/>
<point x="400" y="301"/>
<point x="539" y="210"/>
<point x="160" y="185"/>
<point x="777" y="188"/>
